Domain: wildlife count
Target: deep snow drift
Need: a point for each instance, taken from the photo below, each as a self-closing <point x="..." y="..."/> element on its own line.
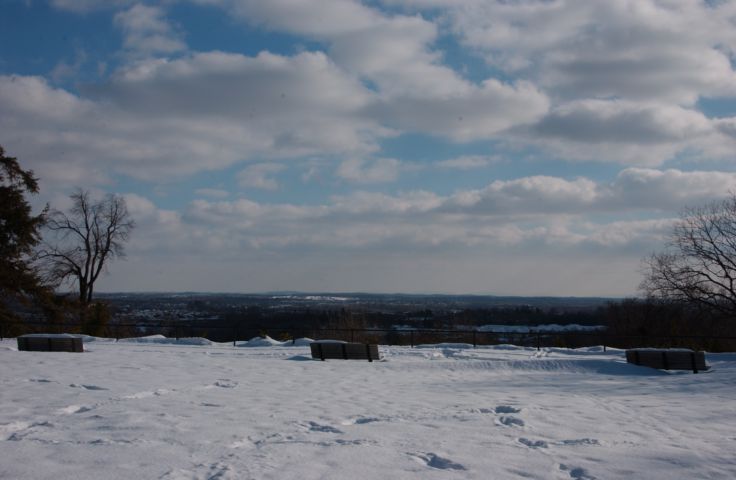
<point x="153" y="409"/>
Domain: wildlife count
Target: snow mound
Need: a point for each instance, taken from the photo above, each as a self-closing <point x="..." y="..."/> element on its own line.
<point x="446" y="345"/>
<point x="262" y="342"/>
<point x="299" y="342"/>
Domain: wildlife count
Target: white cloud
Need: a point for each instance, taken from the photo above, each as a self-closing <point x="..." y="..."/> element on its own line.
<point x="467" y="162"/>
<point x="65" y="70"/>
<point x="258" y="176"/>
<point x="635" y="133"/>
<point x="161" y="119"/>
<point x="212" y="192"/>
<point x="414" y="90"/>
<point x="369" y="171"/>
<point x="669" y="189"/>
<point x="631" y="49"/>
<point x="324" y="18"/>
<point x="600" y="121"/>
<point x="147" y="32"/>
<point x="539" y="212"/>
<point x="553" y="220"/>
<point x="477" y="113"/>
<point x="537" y="195"/>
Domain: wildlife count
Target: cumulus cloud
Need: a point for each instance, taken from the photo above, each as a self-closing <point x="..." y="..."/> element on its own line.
<point x="147" y="32"/>
<point x="637" y="133"/>
<point x="639" y="49"/>
<point x="476" y="113"/>
<point x="542" y="217"/>
<point x="212" y="192"/>
<point x="549" y="212"/>
<point x="466" y="162"/>
<point x="259" y="175"/>
<point x="669" y="189"/>
<point x="414" y="90"/>
<point x="634" y="189"/>
<point x="167" y="118"/>
<point x="369" y="171"/>
<point x="597" y="121"/>
<point x="623" y="78"/>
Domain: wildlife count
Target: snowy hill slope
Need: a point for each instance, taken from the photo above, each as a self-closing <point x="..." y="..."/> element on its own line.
<point x="154" y="409"/>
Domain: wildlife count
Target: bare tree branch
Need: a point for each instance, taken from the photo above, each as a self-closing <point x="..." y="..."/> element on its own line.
<point x="85" y="240"/>
<point x="699" y="262"/>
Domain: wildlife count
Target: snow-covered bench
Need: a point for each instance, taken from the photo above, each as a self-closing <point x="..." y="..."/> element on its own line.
<point x="334" y="349"/>
<point x="668" y="359"/>
<point x="47" y="342"/>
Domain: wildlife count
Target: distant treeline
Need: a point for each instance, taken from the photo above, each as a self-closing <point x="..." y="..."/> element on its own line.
<point x="629" y="322"/>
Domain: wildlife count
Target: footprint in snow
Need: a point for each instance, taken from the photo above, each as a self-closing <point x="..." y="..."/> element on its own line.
<point x="316" y="427"/>
<point x="215" y="471"/>
<point x="360" y="421"/>
<point x="11" y="429"/>
<point x="577" y="473"/>
<point x="507" y="409"/>
<point x="141" y="395"/>
<point x="225" y="383"/>
<point x="19" y="430"/>
<point x="72" y="409"/>
<point x="435" y="461"/>
<point x="579" y="441"/>
<point x="533" y="443"/>
<point x="511" y="421"/>
<point x="86" y="387"/>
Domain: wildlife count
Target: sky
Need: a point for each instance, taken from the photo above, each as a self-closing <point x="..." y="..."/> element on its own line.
<point x="520" y="147"/>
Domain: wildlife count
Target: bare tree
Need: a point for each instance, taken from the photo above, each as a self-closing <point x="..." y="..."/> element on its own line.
<point x="82" y="242"/>
<point x="698" y="265"/>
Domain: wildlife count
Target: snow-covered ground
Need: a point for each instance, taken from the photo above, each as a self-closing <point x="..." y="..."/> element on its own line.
<point x="151" y="409"/>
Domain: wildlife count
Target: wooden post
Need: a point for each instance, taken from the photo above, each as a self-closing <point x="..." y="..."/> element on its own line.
<point x="321" y="353"/>
<point x="368" y="351"/>
<point x="694" y="362"/>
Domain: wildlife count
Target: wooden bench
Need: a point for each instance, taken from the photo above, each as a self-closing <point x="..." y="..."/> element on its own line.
<point x="50" y="343"/>
<point x="668" y="359"/>
<point x="344" y="351"/>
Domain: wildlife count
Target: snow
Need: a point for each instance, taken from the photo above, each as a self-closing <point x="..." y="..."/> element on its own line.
<point x="167" y="410"/>
<point x="261" y="342"/>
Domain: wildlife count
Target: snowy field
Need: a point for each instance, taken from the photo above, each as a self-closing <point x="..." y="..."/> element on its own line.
<point x="157" y="410"/>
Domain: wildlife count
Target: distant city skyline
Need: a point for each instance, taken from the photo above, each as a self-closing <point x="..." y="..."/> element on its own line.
<point x="532" y="148"/>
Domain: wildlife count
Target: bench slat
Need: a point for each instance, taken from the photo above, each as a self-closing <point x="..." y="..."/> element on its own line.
<point x="40" y="343"/>
<point x="668" y="359"/>
<point x="344" y="351"/>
